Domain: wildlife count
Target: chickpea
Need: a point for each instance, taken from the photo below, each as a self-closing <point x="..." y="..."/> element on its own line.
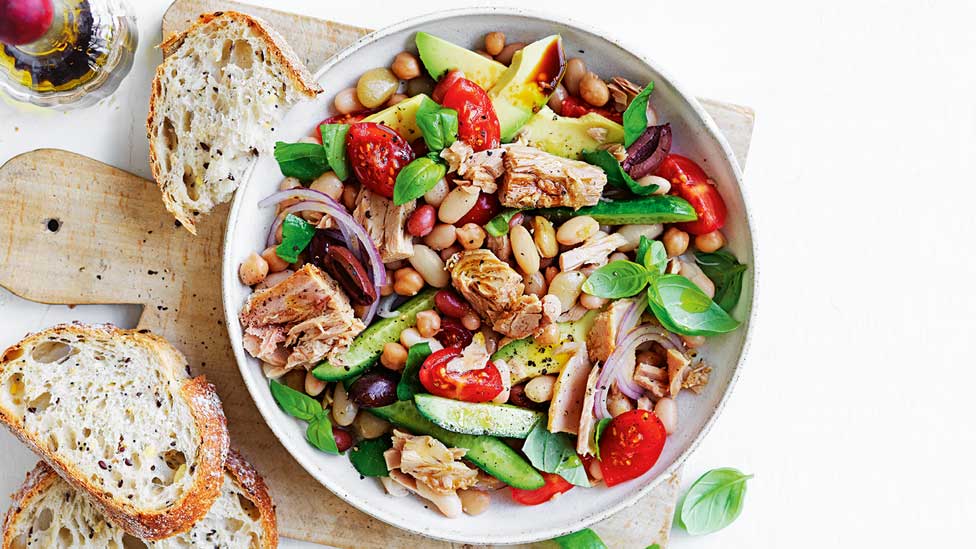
<point x="407" y="281"/>
<point x="505" y="56"/>
<point x="405" y="66"/>
<point x="494" y="43"/>
<point x="592" y="302"/>
<point x="523" y="247"/>
<point x="710" y="242"/>
<point x="545" y="237"/>
<point x="289" y="183"/>
<point x="474" y="502"/>
<point x="576" y="230"/>
<point x="428" y="323"/>
<point x="471" y="321"/>
<point x="275" y="263"/>
<point x="346" y="101"/>
<point x="548" y="335"/>
<point x="349" y="194"/>
<point x="376" y="86"/>
<point x="397" y="98"/>
<point x="313" y="385"/>
<point x="675" y="241"/>
<point x="594" y="90"/>
<point x="441" y="236"/>
<point x="329" y="184"/>
<point x="394" y="356"/>
<point x="253" y="270"/>
<point x="471" y="236"/>
<point x="575" y="71"/>
<point x="539" y="389"/>
<point x="536" y="284"/>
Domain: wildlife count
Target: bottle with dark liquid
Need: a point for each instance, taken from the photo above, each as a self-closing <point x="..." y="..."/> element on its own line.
<point x="78" y="60"/>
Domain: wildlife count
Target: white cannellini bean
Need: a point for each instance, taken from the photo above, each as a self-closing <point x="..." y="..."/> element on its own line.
<point x="410" y="337"/>
<point x="429" y="264"/>
<point x="344" y="410"/>
<point x="506" y="374"/>
<point x="313" y="385"/>
<point x="523" y="247"/>
<point x="329" y="184"/>
<point x="437" y="193"/>
<point x="663" y="185"/>
<point x="633" y="233"/>
<point x="691" y="271"/>
<point x="595" y="470"/>
<point x="618" y="403"/>
<point x="273" y="372"/>
<point x="369" y="426"/>
<point x="576" y="230"/>
<point x="567" y="287"/>
<point x="456" y="204"/>
<point x="474" y="502"/>
<point x="539" y="389"/>
<point x="666" y="410"/>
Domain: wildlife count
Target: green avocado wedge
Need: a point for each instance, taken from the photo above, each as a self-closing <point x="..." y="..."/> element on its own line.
<point x="366" y="348"/>
<point x="440" y="56"/>
<point x="477" y="418"/>
<point x="569" y="137"/>
<point x="646" y="210"/>
<point x="489" y="453"/>
<point x="527" y="83"/>
<point x="527" y="359"/>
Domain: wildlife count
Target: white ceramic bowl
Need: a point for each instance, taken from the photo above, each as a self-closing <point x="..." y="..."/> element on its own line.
<point x="506" y="522"/>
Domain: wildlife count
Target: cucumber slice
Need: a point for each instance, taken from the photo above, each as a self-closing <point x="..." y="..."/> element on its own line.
<point x="473" y="418"/>
<point x="490" y="454"/>
<point x="659" y="208"/>
<point x="367" y="347"/>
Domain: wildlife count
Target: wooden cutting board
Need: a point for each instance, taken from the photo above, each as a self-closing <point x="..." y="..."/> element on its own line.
<point x="76" y="231"/>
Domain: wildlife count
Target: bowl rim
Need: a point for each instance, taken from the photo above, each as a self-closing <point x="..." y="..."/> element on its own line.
<point x="267" y="410"/>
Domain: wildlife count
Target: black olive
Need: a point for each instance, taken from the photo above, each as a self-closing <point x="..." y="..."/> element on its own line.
<point x="374" y="389"/>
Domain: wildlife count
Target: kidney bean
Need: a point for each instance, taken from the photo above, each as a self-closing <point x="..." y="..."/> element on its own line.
<point x="453" y="333"/>
<point x="485" y="208"/>
<point x="450" y="304"/>
<point x="421" y="221"/>
<point x="342" y="438"/>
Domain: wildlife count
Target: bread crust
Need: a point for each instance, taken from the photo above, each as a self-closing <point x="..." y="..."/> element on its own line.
<point x="207" y="413"/>
<point x="38" y="480"/>
<point x="295" y="71"/>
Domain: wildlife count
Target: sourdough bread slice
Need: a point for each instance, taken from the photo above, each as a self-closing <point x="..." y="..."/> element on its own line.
<point x="114" y="412"/>
<point x="223" y="86"/>
<point x="48" y="512"/>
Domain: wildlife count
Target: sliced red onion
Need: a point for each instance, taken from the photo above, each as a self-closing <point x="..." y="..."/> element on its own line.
<point x="627" y="386"/>
<point x="293" y="209"/>
<point x="613" y="371"/>
<point x="385" y="309"/>
<point x="630" y="318"/>
<point x="303" y="193"/>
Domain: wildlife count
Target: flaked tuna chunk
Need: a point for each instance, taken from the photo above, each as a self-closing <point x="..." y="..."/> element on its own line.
<point x="595" y="251"/>
<point x="566" y="407"/>
<point x="430" y="462"/>
<point x="386" y="224"/>
<point x="602" y="338"/>
<point x="537" y="179"/>
<point x="475" y="169"/>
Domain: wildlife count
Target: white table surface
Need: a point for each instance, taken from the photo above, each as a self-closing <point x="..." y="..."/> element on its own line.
<point x="854" y="409"/>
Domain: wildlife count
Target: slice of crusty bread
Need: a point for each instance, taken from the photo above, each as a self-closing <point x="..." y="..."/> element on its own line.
<point x="114" y="412"/>
<point x="48" y="512"/>
<point x="223" y="86"/>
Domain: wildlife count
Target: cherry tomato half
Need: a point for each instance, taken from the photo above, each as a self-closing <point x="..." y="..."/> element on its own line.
<point x="471" y="386"/>
<point x="377" y="153"/>
<point x="630" y="446"/>
<point x="446" y="81"/>
<point x="555" y="484"/>
<point x="483" y="210"/>
<point x="574" y="108"/>
<point x="691" y="183"/>
<point x="477" y="122"/>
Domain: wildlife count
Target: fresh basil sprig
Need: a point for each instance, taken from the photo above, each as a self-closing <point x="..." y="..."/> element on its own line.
<point x="652" y="255"/>
<point x="367" y="456"/>
<point x="439" y="125"/>
<point x="319" y="433"/>
<point x="334" y="143"/>
<point x="713" y="502"/>
<point x="299" y="405"/>
<point x="616" y="175"/>
<point x="498" y="226"/>
<point x="554" y="453"/>
<point x="304" y="161"/>
<point x="726" y="272"/>
<point x="584" y="539"/>
<point x="296" y="233"/>
<point x="635" y="117"/>
<point x="684" y="309"/>
<point x="409" y="384"/>
<point x="418" y="177"/>
<point x="616" y="279"/>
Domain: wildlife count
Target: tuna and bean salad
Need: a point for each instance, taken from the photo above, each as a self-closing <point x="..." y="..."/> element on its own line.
<point x="490" y="276"/>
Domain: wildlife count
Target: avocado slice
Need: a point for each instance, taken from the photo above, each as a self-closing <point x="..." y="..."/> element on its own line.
<point x="527" y="83"/>
<point x="569" y="137"/>
<point x="477" y="418"/>
<point x="527" y="359"/>
<point x="440" y="56"/>
<point x="401" y="117"/>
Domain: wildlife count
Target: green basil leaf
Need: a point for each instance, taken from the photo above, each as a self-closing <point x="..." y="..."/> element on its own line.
<point x="439" y="125"/>
<point x="726" y="272"/>
<point x="656" y="260"/>
<point x="498" y="226"/>
<point x="304" y="161"/>
<point x="713" y="502"/>
<point x="683" y="308"/>
<point x="295" y="403"/>
<point x="635" y="117"/>
<point x="616" y="279"/>
<point x="616" y="175"/>
<point x="367" y="456"/>
<point x="296" y="233"/>
<point x="584" y="539"/>
<point x="417" y="177"/>
<point x="655" y="546"/>
<point x="334" y="143"/>
<point x="554" y="453"/>
<point x="598" y="433"/>
<point x="409" y="384"/>
<point x="319" y="433"/>
<point x="642" y="247"/>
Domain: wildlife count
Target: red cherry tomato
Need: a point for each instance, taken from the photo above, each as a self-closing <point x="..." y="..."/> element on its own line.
<point x="471" y="386"/>
<point x="574" y="108"/>
<point x="477" y="122"/>
<point x="446" y="81"/>
<point x="691" y="183"/>
<point x="377" y="153"/>
<point x="483" y="210"/>
<point x="630" y="446"/>
<point x="555" y="484"/>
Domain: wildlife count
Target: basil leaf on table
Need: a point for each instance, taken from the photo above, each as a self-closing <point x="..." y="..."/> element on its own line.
<point x="304" y="161"/>
<point x="367" y="456"/>
<point x="684" y="309"/>
<point x="439" y="125"/>
<point x="334" y="143"/>
<point x="296" y="233"/>
<point x="584" y="539"/>
<point x="418" y="177"/>
<point x="713" y="502"/>
<point x="554" y="453"/>
<point x="726" y="272"/>
<point x="635" y="117"/>
<point x="498" y="226"/>
<point x="598" y="433"/>
<point x="616" y="279"/>
<point x="319" y="433"/>
<point x="295" y="403"/>
<point x="409" y="384"/>
<point x="616" y="175"/>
